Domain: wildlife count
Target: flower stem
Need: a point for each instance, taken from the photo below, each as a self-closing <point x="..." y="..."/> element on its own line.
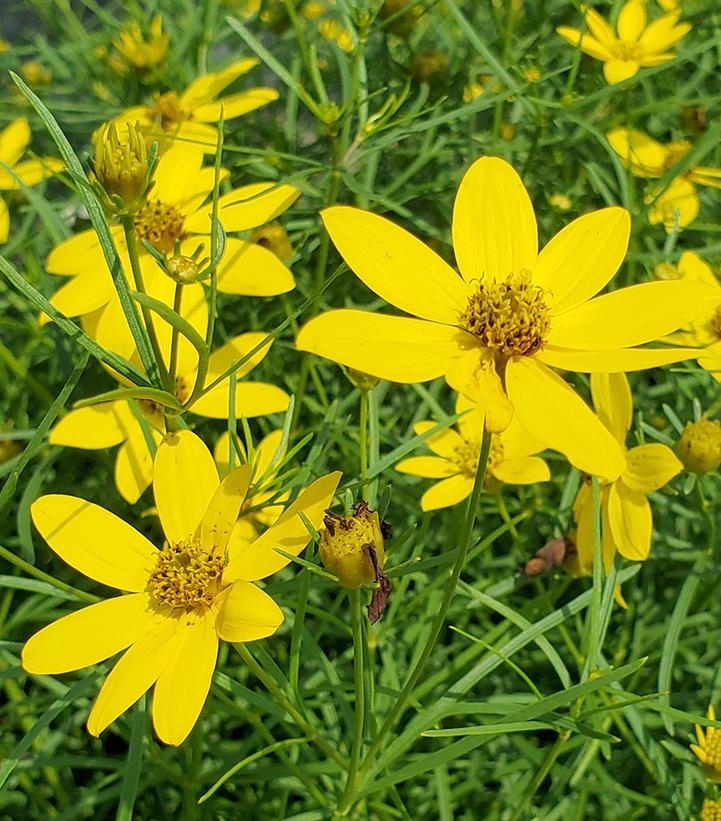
<point x="177" y="304"/>
<point x="435" y="630"/>
<point x="363" y="442"/>
<point x="31" y="570"/>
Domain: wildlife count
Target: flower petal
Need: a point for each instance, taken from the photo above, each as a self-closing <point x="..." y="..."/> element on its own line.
<point x="251" y="270"/>
<point x="389" y="347"/>
<point x="122" y="558"/>
<point x="396" y="265"/>
<point x="582" y="258"/>
<point x="134" y="465"/>
<point x="427" y="467"/>
<point x="622" y="359"/>
<point x="246" y="207"/>
<point x="223" y="509"/>
<point x="445" y="443"/>
<point x="90" y="635"/>
<point x="650" y="467"/>
<point x="208" y="86"/>
<point x="268" y="455"/>
<point x="550" y="410"/>
<point x="4" y="221"/>
<point x="175" y="177"/>
<point x="184" y="483"/>
<point x="182" y="687"/>
<point x="616" y="71"/>
<point x="447" y="492"/>
<point x="664" y="33"/>
<point x="251" y="399"/>
<point x="613" y="402"/>
<point x="235" y="105"/>
<point x="631" y="20"/>
<point x="691" y="266"/>
<point x="645" y="156"/>
<point x="78" y="254"/>
<point x="629" y="517"/>
<point x="494" y="227"/>
<point x="14" y="139"/>
<point x="31" y="172"/>
<point x="599" y="28"/>
<point x="99" y="426"/>
<point x="137" y="671"/>
<point x="247" y="613"/>
<point x="474" y="375"/>
<point x="678" y="204"/>
<point x="82" y="294"/>
<point x="257" y="560"/>
<point x="523" y="471"/>
<point x="588" y="44"/>
<point x="703" y="175"/>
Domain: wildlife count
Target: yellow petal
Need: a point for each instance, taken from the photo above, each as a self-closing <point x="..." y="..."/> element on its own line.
<point x="616" y="71"/>
<point x="78" y="254"/>
<point x="134" y="465"/>
<point x="99" y="426"/>
<point x="251" y="399"/>
<point x="622" y="359"/>
<point x="246" y="207"/>
<point x="445" y="443"/>
<point x="223" y="509"/>
<point x="31" y="172"/>
<point x="236" y="349"/>
<point x="4" y="221"/>
<point x="257" y="560"/>
<point x="396" y="265"/>
<point x="599" y="28"/>
<point x="664" y="33"/>
<point x="247" y="613"/>
<point x="524" y="471"/>
<point x="553" y="413"/>
<point x="13" y="141"/>
<point x="184" y="483"/>
<point x="588" y="44"/>
<point x="208" y="86"/>
<point x="90" y="635"/>
<point x="582" y="258"/>
<point x="494" y="227"/>
<point x="613" y="402"/>
<point x="650" y="467"/>
<point x="703" y="175"/>
<point x="268" y="455"/>
<point x="632" y="20"/>
<point x="235" y="105"/>
<point x="583" y="516"/>
<point x="427" y="467"/>
<point x="629" y="515"/>
<point x="677" y="205"/>
<point x="137" y="671"/>
<point x="471" y="423"/>
<point x="474" y="375"/>
<point x="389" y="347"/>
<point x="251" y="270"/>
<point x="633" y="316"/>
<point x="447" y="492"/>
<point x="645" y="156"/>
<point x="175" y="177"/>
<point x="691" y="266"/>
<point x="120" y="558"/>
<point x="183" y="685"/>
<point x="517" y="442"/>
<point x="83" y="294"/>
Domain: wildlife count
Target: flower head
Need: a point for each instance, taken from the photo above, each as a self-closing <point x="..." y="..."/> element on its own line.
<point x="636" y="44"/>
<point x="121" y="166"/>
<point x="178" y="601"/>
<point x="708" y="749"/>
<point x="494" y="331"/>
<point x="139" y="52"/>
<point x="351" y="546"/>
<point x="699" y="447"/>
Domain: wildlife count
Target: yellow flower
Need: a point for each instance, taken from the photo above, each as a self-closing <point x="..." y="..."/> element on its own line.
<point x="176" y="602"/>
<point x="352" y="547"/>
<point x="699" y="447"/>
<point x="711" y="810"/>
<point x="177" y="208"/>
<point x="138" y="51"/>
<point x="13" y="142"/>
<point x="494" y="331"/>
<point x="637" y="44"/>
<point x="103" y="426"/>
<point x="332" y="30"/>
<point x="4" y="46"/>
<point x="670" y="5"/>
<point x="188" y="115"/>
<point x="626" y="521"/>
<point x="35" y="74"/>
<point x="708" y="749"/>
<point x="561" y="202"/>
<point x="121" y="167"/>
<point x="650" y="159"/>
<point x="511" y="459"/>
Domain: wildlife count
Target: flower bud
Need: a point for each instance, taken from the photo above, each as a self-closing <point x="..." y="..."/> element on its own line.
<point x="699" y="447"/>
<point x="349" y="545"/>
<point x="121" y="164"/>
<point x="429" y="65"/>
<point x="363" y="381"/>
<point x="402" y="15"/>
<point x="183" y="270"/>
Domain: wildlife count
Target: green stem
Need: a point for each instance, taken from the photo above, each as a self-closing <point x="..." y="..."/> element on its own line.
<point x="31" y="570"/>
<point x="358" y="677"/>
<point x="177" y="304"/>
<point x="435" y="630"/>
<point x="363" y="436"/>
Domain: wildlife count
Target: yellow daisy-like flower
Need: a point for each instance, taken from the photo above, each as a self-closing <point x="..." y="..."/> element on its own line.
<point x="139" y="52"/>
<point x="708" y="749"/>
<point x="14" y="140"/>
<point x="511" y="459"/>
<point x="637" y="44"/>
<point x="626" y="520"/>
<point x="176" y="602"/>
<point x="178" y="210"/>
<point x="494" y="331"/>
<point x="650" y="159"/>
<point x="188" y="115"/>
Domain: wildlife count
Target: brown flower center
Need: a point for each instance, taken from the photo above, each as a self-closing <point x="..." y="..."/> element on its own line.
<point x="159" y="224"/>
<point x="714" y="324"/>
<point x="510" y="316"/>
<point x="186" y="575"/>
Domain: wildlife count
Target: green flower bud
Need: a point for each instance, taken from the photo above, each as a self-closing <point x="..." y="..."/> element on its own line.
<point x="699" y="447"/>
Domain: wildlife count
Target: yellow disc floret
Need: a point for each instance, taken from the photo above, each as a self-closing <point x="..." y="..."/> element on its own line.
<point x="711" y="810"/>
<point x="160" y="224"/>
<point x="186" y="575"/>
<point x="509" y="316"/>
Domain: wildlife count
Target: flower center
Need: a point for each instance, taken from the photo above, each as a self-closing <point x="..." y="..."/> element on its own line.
<point x="186" y="575"/>
<point x="714" y="324"/>
<point x="625" y="50"/>
<point x="167" y="109"/>
<point x="466" y="457"/>
<point x="159" y="224"/>
<point x="508" y="316"/>
<point x="675" y="152"/>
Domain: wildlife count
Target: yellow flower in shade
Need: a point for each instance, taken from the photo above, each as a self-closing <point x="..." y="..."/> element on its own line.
<point x="494" y="331"/>
<point x="176" y="602"/>
<point x="189" y="115"/>
<point x="637" y="45"/>
<point x="626" y="520"/>
<point x="333" y="31"/>
<point x="35" y="74"/>
<point x="178" y="208"/>
<point x="711" y="810"/>
<point x="511" y="459"/>
<point x="699" y="447"/>
<point x="4" y="46"/>
<point x="708" y="749"/>
<point x="14" y="173"/>
<point x="650" y="159"/>
<point x="139" y="52"/>
<point x="108" y="424"/>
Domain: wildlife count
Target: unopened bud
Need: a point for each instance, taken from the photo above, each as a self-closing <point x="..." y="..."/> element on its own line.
<point x="183" y="270"/>
<point x="699" y="447"/>
<point x="363" y="381"/>
<point x="121" y="164"/>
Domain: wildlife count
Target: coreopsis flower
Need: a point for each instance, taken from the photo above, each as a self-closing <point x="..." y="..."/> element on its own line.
<point x="511" y="460"/>
<point x="708" y="749"/>
<point x="105" y="425"/>
<point x="178" y="209"/>
<point x="626" y="519"/>
<point x="14" y="140"/>
<point x="699" y="447"/>
<point x="189" y="115"/>
<point x="136" y="51"/>
<point x="494" y="331"/>
<point x="177" y="602"/>
<point x="649" y="159"/>
<point x="638" y="44"/>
